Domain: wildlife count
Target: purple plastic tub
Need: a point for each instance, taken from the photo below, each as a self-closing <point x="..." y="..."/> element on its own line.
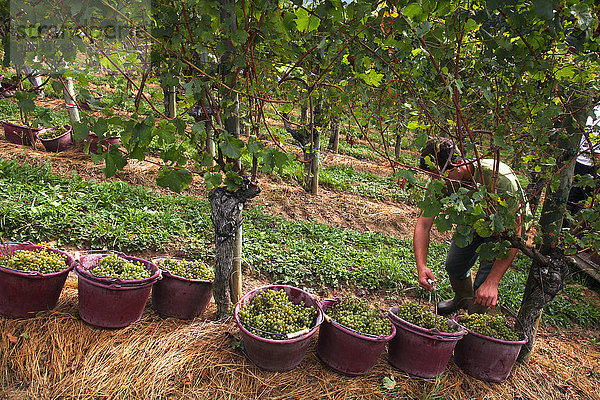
<point x="105" y="144"/>
<point x="174" y="296"/>
<point x="418" y="351"/>
<point x="19" y="134"/>
<point x="487" y="358"/>
<point x="112" y="302"/>
<point x="278" y="355"/>
<point x="59" y="143"/>
<point x="346" y="351"/>
<point x="24" y="294"/>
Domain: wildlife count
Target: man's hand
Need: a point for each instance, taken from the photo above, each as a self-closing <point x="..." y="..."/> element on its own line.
<point x="425" y="275"/>
<point x="487" y="294"/>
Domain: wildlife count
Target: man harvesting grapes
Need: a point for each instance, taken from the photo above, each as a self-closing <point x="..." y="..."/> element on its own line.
<point x="442" y="159"/>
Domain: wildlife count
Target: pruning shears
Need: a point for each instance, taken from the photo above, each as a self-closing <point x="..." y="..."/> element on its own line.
<point x="435" y="300"/>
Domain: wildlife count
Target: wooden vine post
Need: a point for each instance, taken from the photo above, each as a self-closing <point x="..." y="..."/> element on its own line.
<point x="69" y="96"/>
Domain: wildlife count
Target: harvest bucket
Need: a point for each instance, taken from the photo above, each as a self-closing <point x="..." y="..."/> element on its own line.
<point x="418" y="351"/>
<point x="19" y="134"/>
<point x="59" y="143"/>
<point x="105" y="144"/>
<point x="112" y="302"/>
<point x="348" y="351"/>
<point x="278" y="355"/>
<point x="487" y="358"/>
<point x="24" y="294"/>
<point x="174" y="296"/>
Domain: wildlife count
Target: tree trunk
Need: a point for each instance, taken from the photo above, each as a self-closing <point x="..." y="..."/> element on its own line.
<point x="334" y="138"/>
<point x="546" y="279"/>
<point x="398" y="147"/>
<point x="315" y="164"/>
<point x="170" y="101"/>
<point x="226" y="208"/>
<point x="543" y="284"/>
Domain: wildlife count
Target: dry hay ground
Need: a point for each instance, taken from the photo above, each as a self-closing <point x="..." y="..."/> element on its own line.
<point x="56" y="355"/>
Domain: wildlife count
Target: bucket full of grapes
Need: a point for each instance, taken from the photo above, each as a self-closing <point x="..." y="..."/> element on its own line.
<point x="185" y="288"/>
<point x="352" y="336"/>
<point x="113" y="288"/>
<point x="491" y="347"/>
<point x="31" y="278"/>
<point x="276" y="325"/>
<point x="424" y="341"/>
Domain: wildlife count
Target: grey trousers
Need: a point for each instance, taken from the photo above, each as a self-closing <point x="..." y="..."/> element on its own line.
<point x="459" y="261"/>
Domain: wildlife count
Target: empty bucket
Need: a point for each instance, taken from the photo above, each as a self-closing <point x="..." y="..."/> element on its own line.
<point x="419" y="351"/>
<point x="177" y="297"/>
<point x="347" y="351"/>
<point x="24" y="294"/>
<point x="487" y="358"/>
<point x="112" y="302"/>
<point x="278" y="355"/>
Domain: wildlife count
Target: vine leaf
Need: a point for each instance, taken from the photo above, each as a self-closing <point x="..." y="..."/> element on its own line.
<point x="304" y="22"/>
<point x="389" y="382"/>
<point x="175" y="179"/>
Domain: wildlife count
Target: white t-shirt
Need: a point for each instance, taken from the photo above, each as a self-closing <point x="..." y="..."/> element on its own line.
<point x="593" y="128"/>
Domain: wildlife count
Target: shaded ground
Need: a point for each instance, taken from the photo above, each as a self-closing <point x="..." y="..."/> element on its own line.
<point x="56" y="355"/>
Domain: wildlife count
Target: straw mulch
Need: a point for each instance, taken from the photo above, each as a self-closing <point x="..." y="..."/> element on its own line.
<point x="56" y="355"/>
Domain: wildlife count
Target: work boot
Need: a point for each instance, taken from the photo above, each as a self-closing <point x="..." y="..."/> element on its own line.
<point x="463" y="297"/>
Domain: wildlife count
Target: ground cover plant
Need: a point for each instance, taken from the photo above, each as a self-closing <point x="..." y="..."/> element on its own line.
<point x="368" y="184"/>
<point x="38" y="205"/>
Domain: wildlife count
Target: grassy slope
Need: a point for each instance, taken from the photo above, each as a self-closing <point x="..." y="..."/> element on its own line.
<point x="37" y="205"/>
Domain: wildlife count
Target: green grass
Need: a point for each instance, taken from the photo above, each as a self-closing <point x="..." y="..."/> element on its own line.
<point x="37" y="205"/>
<point x="43" y="116"/>
<point x="367" y="184"/>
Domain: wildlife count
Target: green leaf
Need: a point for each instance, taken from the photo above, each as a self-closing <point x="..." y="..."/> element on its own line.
<point x="413" y="10"/>
<point x="174" y="179"/>
<point x="305" y="22"/>
<point x="254" y="146"/>
<point x="443" y="224"/>
<point x="282" y="159"/>
<point x="212" y="180"/>
<point x="493" y="4"/>
<point x="430" y="206"/>
<point x="81" y="131"/>
<point x="114" y="161"/>
<point x="231" y="146"/>
<point x="389" y="382"/>
<point x="371" y="77"/>
<point x="423" y="29"/>
<point x="207" y="160"/>
<point x="409" y="175"/>
<point x="544" y="9"/>
<point x="25" y="101"/>
<point x="483" y="228"/>
<point x="463" y="236"/>
<point x="172" y="154"/>
<point x="239" y="37"/>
